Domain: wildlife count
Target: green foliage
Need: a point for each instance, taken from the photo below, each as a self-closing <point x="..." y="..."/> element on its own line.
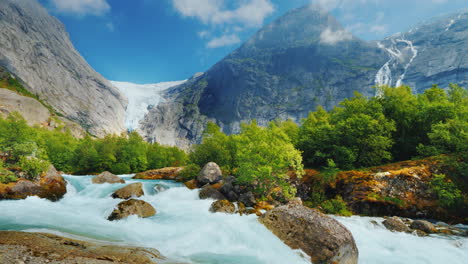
<point x="449" y="195"/>
<point x="33" y="167"/>
<point x="354" y="134"/>
<point x="336" y="206"/>
<point x="190" y="172"/>
<point x="6" y="176"/>
<point x="264" y="156"/>
<point x="118" y="154"/>
<point x="216" y="147"/>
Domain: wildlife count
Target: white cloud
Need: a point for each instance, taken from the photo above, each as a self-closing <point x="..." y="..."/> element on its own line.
<point x="378" y="29"/>
<point x="224" y="40"/>
<point x="328" y="36"/>
<point x="203" y="34"/>
<point x="81" y="7"/>
<point x="225" y="18"/>
<point x="249" y="13"/>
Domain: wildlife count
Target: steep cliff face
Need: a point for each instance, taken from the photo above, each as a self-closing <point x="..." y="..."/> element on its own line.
<point x="302" y="60"/>
<point x="435" y="52"/>
<point x="36" y="48"/>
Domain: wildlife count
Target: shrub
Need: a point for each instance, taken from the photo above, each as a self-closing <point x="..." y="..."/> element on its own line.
<point x="33" y="167"/>
<point x="190" y="172"/>
<point x="6" y="176"/>
<point x="450" y="197"/>
<point x="336" y="206"/>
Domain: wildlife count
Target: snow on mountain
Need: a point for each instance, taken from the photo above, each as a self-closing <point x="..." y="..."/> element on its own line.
<point x="140" y="98"/>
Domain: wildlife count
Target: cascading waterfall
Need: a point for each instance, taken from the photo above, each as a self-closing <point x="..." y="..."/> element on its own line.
<point x="185" y="231"/>
<point x="397" y="58"/>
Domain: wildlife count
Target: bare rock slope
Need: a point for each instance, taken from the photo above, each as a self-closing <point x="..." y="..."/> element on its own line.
<point x="36" y="48"/>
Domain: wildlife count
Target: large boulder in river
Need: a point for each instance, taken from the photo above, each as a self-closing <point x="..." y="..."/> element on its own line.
<point x="107" y="177"/>
<point x="424" y="226"/>
<point x="323" y="238"/>
<point x="169" y="173"/>
<point x="51" y="185"/>
<point x="211" y="173"/>
<point x="129" y="191"/>
<point x="223" y="206"/>
<point x="132" y="207"/>
<point x="210" y="192"/>
<point x="395" y="224"/>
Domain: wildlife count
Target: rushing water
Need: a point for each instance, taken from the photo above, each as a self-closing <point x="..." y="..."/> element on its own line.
<point x="185" y="231"/>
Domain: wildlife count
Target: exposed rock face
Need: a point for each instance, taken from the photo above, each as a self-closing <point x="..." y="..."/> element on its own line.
<point x="223" y="206"/>
<point x="402" y="189"/>
<point x="209" y="192"/>
<point x="170" y="173"/>
<point x="132" y="207"/>
<point x="323" y="238"/>
<point x="107" y="177"/>
<point x="288" y="68"/>
<point x="210" y="174"/>
<point x="50" y="186"/>
<point x="35" y="113"/>
<point x="129" y="191"/>
<point x="36" y="48"/>
<point x="395" y="224"/>
<point x="431" y="53"/>
<point x="41" y="248"/>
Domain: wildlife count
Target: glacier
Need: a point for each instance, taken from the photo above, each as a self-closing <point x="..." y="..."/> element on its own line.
<point x="140" y="98"/>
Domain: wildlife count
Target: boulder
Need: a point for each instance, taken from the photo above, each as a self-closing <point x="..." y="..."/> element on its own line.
<point x="211" y="173"/>
<point x="248" y="199"/>
<point x="323" y="238"/>
<point x="395" y="224"/>
<point x="51" y="186"/>
<point x="107" y="177"/>
<point x="132" y="207"/>
<point x="241" y="209"/>
<point x="192" y="184"/>
<point x="39" y="248"/>
<point x="208" y="192"/>
<point x="169" y="173"/>
<point x="131" y="190"/>
<point x="223" y="206"/>
<point x="424" y="226"/>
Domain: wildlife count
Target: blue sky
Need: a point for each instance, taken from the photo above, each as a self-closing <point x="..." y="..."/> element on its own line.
<point x="146" y="41"/>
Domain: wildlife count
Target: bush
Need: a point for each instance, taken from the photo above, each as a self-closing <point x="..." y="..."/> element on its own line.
<point x="336" y="206"/>
<point x="33" y="167"/>
<point x="450" y="197"/>
<point x="190" y="172"/>
<point x="6" y="176"/>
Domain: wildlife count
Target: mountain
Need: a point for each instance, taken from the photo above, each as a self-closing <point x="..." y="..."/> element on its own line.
<point x="141" y="97"/>
<point x="37" y="50"/>
<point x="302" y="60"/>
<point x="435" y="52"/>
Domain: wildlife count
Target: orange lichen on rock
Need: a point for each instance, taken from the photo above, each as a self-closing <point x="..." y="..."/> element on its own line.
<point x="169" y="173"/>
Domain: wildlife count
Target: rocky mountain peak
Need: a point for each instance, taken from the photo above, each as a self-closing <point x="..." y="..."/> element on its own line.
<point x="36" y="48"/>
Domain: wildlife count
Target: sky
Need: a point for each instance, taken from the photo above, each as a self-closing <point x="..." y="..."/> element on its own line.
<point x="149" y="41"/>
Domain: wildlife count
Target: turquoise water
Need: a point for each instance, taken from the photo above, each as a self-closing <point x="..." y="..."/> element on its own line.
<point x="185" y="231"/>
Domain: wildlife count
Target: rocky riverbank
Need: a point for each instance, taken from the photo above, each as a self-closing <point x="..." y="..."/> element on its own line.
<point x="50" y="185"/>
<point x="38" y="248"/>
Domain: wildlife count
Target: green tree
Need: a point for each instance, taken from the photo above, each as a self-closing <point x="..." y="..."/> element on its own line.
<point x="264" y="156"/>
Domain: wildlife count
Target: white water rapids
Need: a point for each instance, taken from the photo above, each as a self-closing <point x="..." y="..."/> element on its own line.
<point x="185" y="231"/>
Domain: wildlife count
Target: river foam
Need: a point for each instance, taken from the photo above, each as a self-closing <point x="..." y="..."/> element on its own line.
<point x="185" y="231"/>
